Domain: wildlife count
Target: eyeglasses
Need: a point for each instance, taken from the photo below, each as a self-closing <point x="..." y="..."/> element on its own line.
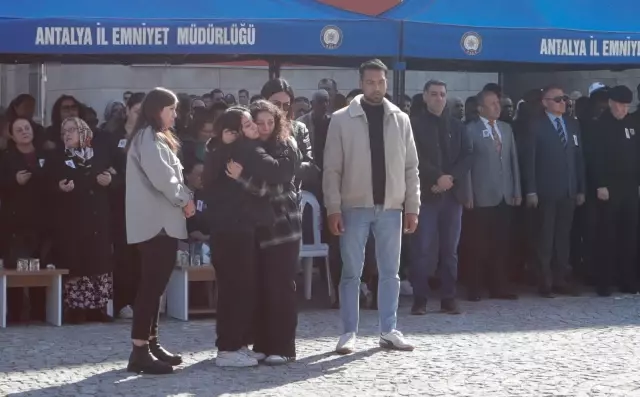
<point x="70" y="130"/>
<point x="558" y="99"/>
<point x="283" y="106"/>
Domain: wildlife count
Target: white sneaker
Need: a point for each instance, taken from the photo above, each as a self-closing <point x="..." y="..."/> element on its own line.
<point x="405" y="288"/>
<point x="235" y="359"/>
<point x="278" y="360"/>
<point x="126" y="312"/>
<point x="258" y="356"/>
<point x="394" y="340"/>
<point x="346" y="343"/>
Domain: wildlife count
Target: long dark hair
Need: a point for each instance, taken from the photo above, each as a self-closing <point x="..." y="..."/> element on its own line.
<point x="12" y="113"/>
<point x="282" y="128"/>
<point x="231" y="119"/>
<point x="152" y="105"/>
<point x="56" y="118"/>
<point x="218" y="154"/>
<point x="275" y="86"/>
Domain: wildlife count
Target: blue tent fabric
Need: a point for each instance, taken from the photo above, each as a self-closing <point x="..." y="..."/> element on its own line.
<point x="587" y="32"/>
<point x="216" y="27"/>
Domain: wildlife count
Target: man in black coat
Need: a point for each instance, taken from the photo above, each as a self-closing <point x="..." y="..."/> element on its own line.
<point x="444" y="152"/>
<point x="617" y="178"/>
<point x="554" y="183"/>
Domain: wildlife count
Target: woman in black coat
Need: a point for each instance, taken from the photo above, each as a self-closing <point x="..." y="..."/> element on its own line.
<point x="234" y="216"/>
<point x="23" y="211"/>
<point x="80" y="176"/>
<point x="279" y="243"/>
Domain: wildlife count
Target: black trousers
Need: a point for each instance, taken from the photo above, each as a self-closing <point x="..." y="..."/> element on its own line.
<point x="617" y="239"/>
<point x="234" y="257"/>
<point x="157" y="260"/>
<point x="276" y="315"/>
<point x="465" y="249"/>
<point x="126" y="271"/>
<point x="520" y="251"/>
<point x="16" y="300"/>
<point x="552" y="227"/>
<point x="489" y="247"/>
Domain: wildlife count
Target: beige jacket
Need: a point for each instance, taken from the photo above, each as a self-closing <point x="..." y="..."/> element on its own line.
<point x="347" y="181"/>
<point x="155" y="190"/>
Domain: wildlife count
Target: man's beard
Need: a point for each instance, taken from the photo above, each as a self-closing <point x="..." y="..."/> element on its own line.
<point x="374" y="100"/>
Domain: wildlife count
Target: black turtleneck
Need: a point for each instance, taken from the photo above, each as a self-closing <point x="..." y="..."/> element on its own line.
<point x="375" y="118"/>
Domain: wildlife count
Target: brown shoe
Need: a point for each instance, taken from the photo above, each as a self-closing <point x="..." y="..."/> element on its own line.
<point x="419" y="307"/>
<point x="449" y="306"/>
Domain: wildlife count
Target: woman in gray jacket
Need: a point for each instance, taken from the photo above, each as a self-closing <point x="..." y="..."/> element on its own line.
<point x="157" y="205"/>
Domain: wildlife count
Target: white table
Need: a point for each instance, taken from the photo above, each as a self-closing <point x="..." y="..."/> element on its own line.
<point x="51" y="279"/>
<point x="178" y="290"/>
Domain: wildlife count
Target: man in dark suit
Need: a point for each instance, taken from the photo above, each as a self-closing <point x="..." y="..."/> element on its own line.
<point x="444" y="155"/>
<point x="495" y="187"/>
<point x="616" y="171"/>
<point x="553" y="169"/>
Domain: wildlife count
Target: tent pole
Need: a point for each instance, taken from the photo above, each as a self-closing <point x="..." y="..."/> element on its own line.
<point x="399" y="70"/>
<point x="3" y="84"/>
<point x="43" y="92"/>
<point x="274" y="69"/>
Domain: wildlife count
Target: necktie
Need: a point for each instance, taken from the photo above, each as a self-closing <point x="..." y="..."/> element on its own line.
<point x="496" y="137"/>
<point x="561" y="133"/>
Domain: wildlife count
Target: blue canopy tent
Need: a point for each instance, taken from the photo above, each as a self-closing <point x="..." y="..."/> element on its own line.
<point x="500" y="34"/>
<point x="133" y="31"/>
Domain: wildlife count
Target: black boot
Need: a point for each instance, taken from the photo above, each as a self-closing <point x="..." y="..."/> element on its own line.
<point x="161" y="354"/>
<point x="141" y="360"/>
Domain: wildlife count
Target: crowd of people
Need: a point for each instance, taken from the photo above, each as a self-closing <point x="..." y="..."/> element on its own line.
<point x="545" y="193"/>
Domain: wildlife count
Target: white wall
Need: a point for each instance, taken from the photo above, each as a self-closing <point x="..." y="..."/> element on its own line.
<point x="95" y="85"/>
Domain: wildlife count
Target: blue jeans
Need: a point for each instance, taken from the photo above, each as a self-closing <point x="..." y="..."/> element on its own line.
<point x="386" y="226"/>
<point x="434" y="245"/>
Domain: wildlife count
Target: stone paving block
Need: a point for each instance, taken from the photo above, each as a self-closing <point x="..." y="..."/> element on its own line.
<point x="565" y="347"/>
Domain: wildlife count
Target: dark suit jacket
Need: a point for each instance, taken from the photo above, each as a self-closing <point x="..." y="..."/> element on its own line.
<point x="431" y="149"/>
<point x="550" y="170"/>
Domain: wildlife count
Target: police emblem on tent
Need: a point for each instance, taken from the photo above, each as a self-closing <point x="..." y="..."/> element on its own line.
<point x="331" y="37"/>
<point x="471" y="43"/>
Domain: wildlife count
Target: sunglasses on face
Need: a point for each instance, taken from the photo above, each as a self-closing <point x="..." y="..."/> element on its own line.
<point x="558" y="99"/>
<point x="283" y="106"/>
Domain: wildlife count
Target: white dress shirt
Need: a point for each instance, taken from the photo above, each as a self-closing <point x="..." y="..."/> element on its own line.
<point x="488" y="126"/>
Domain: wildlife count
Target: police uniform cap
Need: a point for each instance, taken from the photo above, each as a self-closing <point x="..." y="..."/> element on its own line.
<point x="621" y="94"/>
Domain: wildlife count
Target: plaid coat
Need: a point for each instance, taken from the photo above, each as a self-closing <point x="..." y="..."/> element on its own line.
<point x="284" y="199"/>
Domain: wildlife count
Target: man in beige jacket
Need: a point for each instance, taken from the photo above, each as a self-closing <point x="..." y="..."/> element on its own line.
<point x="370" y="177"/>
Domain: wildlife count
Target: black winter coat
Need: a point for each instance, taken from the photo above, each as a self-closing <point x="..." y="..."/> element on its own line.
<point x="229" y="206"/>
<point x="81" y="221"/>
<point x="25" y="212"/>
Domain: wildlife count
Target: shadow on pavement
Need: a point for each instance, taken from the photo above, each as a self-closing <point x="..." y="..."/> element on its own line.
<point x="197" y="379"/>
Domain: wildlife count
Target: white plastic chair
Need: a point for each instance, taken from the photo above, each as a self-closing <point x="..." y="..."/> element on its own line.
<point x="315" y="250"/>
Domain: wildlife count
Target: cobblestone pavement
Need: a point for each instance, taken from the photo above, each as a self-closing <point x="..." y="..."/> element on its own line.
<point x="563" y="347"/>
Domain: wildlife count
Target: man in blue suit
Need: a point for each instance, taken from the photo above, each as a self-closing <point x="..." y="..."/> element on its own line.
<point x="554" y="183"/>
